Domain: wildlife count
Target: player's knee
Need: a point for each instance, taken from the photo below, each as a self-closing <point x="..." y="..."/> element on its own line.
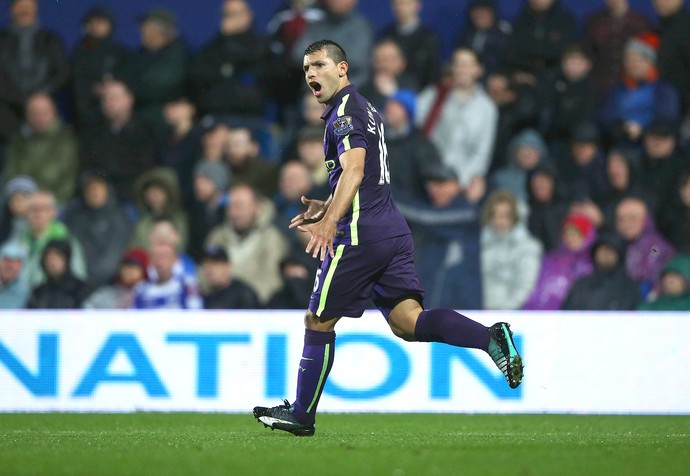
<point x="315" y="323"/>
<point x="403" y="326"/>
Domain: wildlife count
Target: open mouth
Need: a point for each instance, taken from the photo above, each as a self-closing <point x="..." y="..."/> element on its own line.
<point x="315" y="87"/>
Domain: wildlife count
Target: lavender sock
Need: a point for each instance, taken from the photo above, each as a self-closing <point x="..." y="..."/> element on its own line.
<point x="316" y="363"/>
<point x="450" y="327"/>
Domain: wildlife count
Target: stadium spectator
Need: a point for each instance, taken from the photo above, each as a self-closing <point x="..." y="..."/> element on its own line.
<point x="510" y="256"/>
<point x="247" y="165"/>
<point x="674" y="216"/>
<point x="674" y="287"/>
<point x="45" y="150"/>
<point x="166" y="289"/>
<point x="608" y="288"/>
<point x="295" y="182"/>
<point x="540" y="32"/>
<point x="548" y="205"/>
<point x="623" y="176"/>
<point x="606" y="31"/>
<point x="461" y="121"/>
<point x="310" y="152"/>
<point x="409" y="151"/>
<point x="561" y="267"/>
<point x="181" y="147"/>
<point x="344" y="25"/>
<point x="158" y="70"/>
<point x="388" y="74"/>
<point x="525" y="153"/>
<point x="297" y="270"/>
<point x="210" y="200"/>
<point x="120" y="294"/>
<point x="256" y="246"/>
<point x="419" y="43"/>
<point x="446" y="227"/>
<point x="121" y="146"/>
<point x="98" y="57"/>
<point x="662" y="159"/>
<point x="13" y="222"/>
<point x="163" y="232"/>
<point x="569" y="98"/>
<point x="228" y="73"/>
<point x="224" y="290"/>
<point x="14" y="290"/>
<point x="43" y="227"/>
<point x="33" y="60"/>
<point x="61" y="289"/>
<point x="309" y="115"/>
<point x="97" y="221"/>
<point x="486" y="34"/>
<point x="641" y="96"/>
<point x="214" y="138"/>
<point x="157" y="195"/>
<point x="674" y="46"/>
<point x="586" y="170"/>
<point x="648" y="251"/>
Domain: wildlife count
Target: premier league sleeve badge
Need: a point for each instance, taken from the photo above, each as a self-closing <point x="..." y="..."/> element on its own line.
<point x="343" y="125"/>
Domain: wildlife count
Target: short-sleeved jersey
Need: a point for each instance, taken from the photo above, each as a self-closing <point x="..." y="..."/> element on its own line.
<point x="352" y="122"/>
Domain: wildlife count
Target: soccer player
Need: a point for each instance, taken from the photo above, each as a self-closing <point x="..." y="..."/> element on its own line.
<point x="366" y="249"/>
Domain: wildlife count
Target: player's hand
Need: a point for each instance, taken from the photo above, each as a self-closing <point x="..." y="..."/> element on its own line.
<point x="321" y="241"/>
<point x="315" y="212"/>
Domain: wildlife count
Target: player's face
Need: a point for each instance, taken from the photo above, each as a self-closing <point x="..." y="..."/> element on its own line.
<point x="323" y="76"/>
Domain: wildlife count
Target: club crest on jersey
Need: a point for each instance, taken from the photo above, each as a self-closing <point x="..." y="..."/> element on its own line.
<point x="343" y="125"/>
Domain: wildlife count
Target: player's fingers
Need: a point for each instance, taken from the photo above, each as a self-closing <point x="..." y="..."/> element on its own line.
<point x="304" y="200"/>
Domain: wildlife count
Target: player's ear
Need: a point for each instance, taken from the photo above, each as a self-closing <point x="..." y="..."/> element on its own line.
<point x="343" y="67"/>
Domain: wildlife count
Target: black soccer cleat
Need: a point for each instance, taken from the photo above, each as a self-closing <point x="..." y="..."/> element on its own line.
<point x="281" y="418"/>
<point x="504" y="353"/>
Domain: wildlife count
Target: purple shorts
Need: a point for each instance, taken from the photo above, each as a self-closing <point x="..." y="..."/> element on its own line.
<point x="380" y="270"/>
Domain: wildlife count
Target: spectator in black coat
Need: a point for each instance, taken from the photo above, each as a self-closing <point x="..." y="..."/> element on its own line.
<point x="608" y="288"/>
<point x="663" y="160"/>
<point x="211" y="181"/>
<point x="674" y="216"/>
<point x="674" y="47"/>
<point x="298" y="270"/>
<point x="548" y="205"/>
<point x="486" y="34"/>
<point x="61" y="290"/>
<point x="224" y="290"/>
<point x="98" y="57"/>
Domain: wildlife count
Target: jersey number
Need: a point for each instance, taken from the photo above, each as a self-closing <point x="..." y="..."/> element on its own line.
<point x="383" y="158"/>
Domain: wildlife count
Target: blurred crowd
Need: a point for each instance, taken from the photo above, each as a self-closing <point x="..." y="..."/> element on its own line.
<point x="544" y="165"/>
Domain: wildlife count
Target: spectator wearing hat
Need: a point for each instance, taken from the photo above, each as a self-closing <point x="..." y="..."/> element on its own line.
<point x="561" y="267"/>
<point x="228" y="76"/>
<point x="420" y="44"/>
<point x="608" y="287"/>
<point x="298" y="270"/>
<point x="674" y="216"/>
<point x="674" y="46"/>
<point x="61" y="289"/>
<point x="223" y="289"/>
<point x="409" y="151"/>
<point x="45" y="149"/>
<point x="460" y="119"/>
<point x="98" y="57"/>
<point x="388" y="74"/>
<point x="14" y="289"/>
<point x="33" y="60"/>
<point x="157" y="194"/>
<point x="214" y="138"/>
<point x="210" y="199"/>
<point x="586" y="170"/>
<point x="648" y="250"/>
<point x="132" y="269"/>
<point x="17" y="192"/>
<point x="486" y="34"/>
<point x="606" y="31"/>
<point x="44" y="226"/>
<point x="641" y="96"/>
<point x="96" y="219"/>
<point x="510" y="256"/>
<point x="549" y="204"/>
<point x="121" y="146"/>
<point x="662" y="159"/>
<point x="673" y="288"/>
<point x="165" y="287"/>
<point x="157" y="72"/>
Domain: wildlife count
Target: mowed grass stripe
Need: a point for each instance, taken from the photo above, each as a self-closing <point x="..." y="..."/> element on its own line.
<point x="352" y="444"/>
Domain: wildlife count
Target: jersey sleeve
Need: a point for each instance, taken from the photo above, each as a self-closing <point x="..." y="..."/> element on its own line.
<point x="349" y="129"/>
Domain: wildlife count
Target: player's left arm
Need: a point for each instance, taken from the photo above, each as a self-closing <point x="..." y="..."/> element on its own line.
<point x="323" y="231"/>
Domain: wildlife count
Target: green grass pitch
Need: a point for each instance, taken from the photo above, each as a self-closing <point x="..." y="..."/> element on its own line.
<point x="345" y="444"/>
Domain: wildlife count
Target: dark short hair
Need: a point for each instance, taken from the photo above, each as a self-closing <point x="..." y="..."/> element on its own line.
<point x="333" y="50"/>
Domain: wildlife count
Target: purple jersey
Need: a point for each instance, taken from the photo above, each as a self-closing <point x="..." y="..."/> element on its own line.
<point x="351" y="122"/>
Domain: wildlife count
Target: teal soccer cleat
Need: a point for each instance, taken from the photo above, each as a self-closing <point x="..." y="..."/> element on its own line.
<point x="504" y="353"/>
